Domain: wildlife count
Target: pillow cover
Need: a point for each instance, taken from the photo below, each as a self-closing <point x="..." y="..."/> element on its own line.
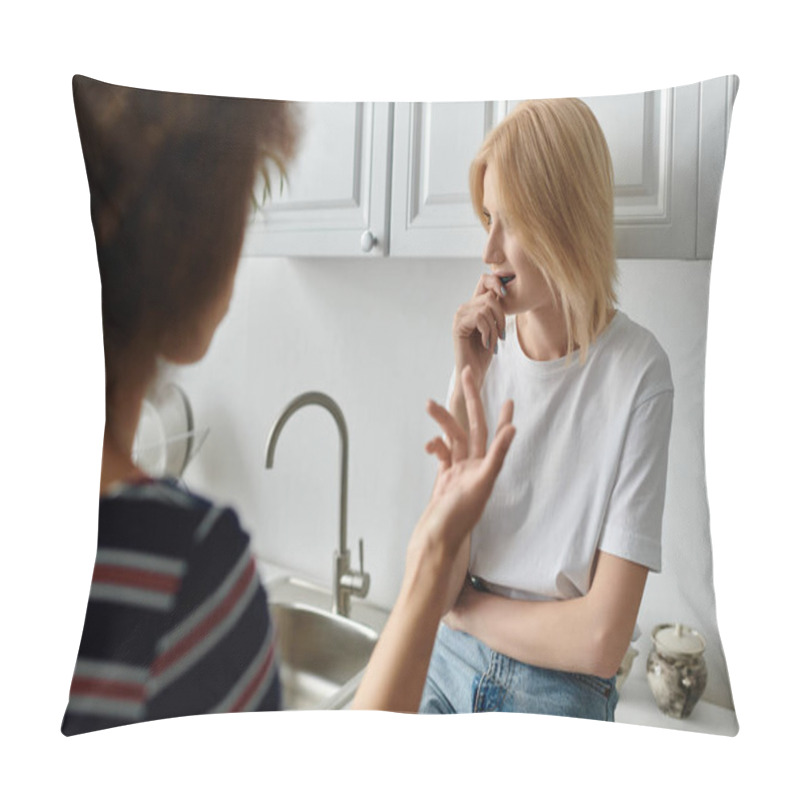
<point x="372" y="183"/>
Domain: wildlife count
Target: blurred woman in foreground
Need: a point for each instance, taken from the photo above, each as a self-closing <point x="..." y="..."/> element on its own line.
<point x="177" y="620"/>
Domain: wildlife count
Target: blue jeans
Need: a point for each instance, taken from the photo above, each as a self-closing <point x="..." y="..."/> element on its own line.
<point x="467" y="676"/>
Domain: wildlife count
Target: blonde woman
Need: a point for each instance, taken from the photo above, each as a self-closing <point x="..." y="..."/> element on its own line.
<point x="557" y="565"/>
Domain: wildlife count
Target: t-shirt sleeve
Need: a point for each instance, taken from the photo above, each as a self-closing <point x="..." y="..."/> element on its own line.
<point x="632" y="528"/>
<point x="218" y="654"/>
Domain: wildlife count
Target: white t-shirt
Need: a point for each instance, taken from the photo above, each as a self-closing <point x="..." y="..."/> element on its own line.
<point x="587" y="467"/>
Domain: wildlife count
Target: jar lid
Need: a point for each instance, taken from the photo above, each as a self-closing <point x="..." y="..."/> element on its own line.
<point x="679" y="639"/>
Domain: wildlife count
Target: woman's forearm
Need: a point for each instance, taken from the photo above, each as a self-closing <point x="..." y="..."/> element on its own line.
<point x="395" y="676"/>
<point x="551" y="634"/>
<point x="587" y="634"/>
<point x="458" y="574"/>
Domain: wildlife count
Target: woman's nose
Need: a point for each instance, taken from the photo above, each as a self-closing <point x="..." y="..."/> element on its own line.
<point x="493" y="252"/>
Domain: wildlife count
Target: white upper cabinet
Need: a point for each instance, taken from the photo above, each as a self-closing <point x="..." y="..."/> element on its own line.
<point x="335" y="202"/>
<point x="653" y="138"/>
<point x="668" y="149"/>
<point x="379" y="179"/>
<point x="434" y="144"/>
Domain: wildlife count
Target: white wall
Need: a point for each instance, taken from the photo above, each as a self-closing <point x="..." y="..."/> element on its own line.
<point x="375" y="335"/>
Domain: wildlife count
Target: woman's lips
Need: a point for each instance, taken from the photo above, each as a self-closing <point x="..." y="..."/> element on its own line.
<point x="504" y="279"/>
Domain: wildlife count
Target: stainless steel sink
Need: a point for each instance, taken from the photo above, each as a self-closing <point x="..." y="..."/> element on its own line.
<point x="322" y="655"/>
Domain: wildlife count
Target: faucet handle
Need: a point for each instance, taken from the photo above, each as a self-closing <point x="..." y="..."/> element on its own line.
<point x="364" y="576"/>
<point x="349" y="582"/>
<point x="356" y="583"/>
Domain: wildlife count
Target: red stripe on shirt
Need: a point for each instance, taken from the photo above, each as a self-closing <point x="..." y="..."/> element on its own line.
<point x="117" y="690"/>
<point x="251" y="687"/>
<point x="135" y="578"/>
<point x="205" y="626"/>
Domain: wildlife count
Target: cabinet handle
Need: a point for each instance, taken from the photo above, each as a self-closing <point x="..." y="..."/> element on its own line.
<point x="368" y="241"/>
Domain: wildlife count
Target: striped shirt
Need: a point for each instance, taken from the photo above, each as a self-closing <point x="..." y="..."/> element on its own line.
<point x="177" y="621"/>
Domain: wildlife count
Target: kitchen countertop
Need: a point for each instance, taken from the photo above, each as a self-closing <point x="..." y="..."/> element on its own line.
<point x="636" y="705"/>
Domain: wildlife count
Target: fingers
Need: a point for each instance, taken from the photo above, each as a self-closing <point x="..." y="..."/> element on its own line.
<point x="475" y="415"/>
<point x="506" y="415"/>
<point x="438" y="448"/>
<point x="484" y="313"/>
<point x="494" y="319"/>
<point x="502" y="441"/>
<point x="489" y="282"/>
<point x="489" y="328"/>
<point x="473" y="443"/>
<point x="493" y="462"/>
<point x="454" y="432"/>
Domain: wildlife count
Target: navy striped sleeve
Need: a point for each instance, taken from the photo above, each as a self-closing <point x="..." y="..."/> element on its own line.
<point x="177" y="621"/>
<point x="217" y="653"/>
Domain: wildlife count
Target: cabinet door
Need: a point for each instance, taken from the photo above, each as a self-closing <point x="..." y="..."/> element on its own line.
<point x="716" y="104"/>
<point x="434" y="144"/>
<point x="335" y="201"/>
<point x="668" y="149"/>
<point x="653" y="138"/>
<point x="667" y="155"/>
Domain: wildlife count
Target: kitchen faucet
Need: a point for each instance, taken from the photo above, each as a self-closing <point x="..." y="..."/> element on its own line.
<point x="346" y="582"/>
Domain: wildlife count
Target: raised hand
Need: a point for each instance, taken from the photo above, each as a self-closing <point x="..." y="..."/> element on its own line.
<point x="467" y="470"/>
<point x="396" y="672"/>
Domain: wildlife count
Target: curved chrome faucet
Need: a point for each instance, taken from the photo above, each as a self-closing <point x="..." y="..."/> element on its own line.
<point x="345" y="581"/>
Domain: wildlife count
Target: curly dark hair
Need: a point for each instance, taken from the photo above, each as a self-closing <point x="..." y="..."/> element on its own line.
<point x="171" y="181"/>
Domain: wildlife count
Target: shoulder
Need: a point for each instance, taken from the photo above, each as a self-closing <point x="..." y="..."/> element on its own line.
<point x="633" y="349"/>
<point x="165" y="492"/>
<point x="160" y="547"/>
<point x="160" y="515"/>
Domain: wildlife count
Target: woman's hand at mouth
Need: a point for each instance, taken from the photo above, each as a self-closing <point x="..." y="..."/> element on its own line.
<point x="477" y="326"/>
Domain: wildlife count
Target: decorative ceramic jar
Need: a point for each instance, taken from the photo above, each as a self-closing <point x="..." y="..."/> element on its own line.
<point x="676" y="669"/>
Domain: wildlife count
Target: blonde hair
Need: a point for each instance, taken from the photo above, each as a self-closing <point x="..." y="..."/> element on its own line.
<point x="556" y="187"/>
